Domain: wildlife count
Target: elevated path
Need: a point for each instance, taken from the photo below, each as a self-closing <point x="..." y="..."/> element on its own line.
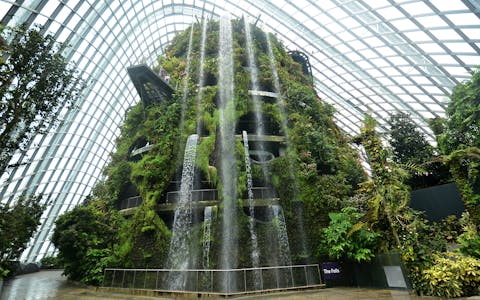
<point x="151" y="87"/>
<point x="200" y="199"/>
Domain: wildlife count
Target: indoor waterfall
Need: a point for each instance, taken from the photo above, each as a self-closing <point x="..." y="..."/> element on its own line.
<point x="283" y="114"/>
<point x="255" y="255"/>
<point x="228" y="176"/>
<point x="207" y="232"/>
<point x="180" y="255"/>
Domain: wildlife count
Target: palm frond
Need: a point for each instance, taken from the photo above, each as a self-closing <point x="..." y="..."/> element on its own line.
<point x="412" y="168"/>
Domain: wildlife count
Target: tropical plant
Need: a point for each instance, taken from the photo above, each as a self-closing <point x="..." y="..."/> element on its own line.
<point x="387" y="194"/>
<point x="85" y="238"/>
<point x="453" y="275"/>
<point x="462" y="125"/>
<point x="18" y="222"/>
<point x="348" y="237"/>
<point x="36" y="83"/>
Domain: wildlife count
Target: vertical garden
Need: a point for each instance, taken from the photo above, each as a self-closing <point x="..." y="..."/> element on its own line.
<point x="308" y="171"/>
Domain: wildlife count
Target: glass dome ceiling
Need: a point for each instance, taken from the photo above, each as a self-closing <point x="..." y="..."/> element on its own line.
<point x="367" y="56"/>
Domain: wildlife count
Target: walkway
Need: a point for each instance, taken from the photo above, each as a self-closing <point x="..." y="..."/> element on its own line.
<point x="52" y="285"/>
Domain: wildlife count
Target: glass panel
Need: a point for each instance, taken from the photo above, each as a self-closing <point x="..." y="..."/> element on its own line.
<point x="417" y="8"/>
<point x="404" y="24"/>
<point x="418" y="36"/>
<point x="449" y="5"/>
<point x="446" y="34"/>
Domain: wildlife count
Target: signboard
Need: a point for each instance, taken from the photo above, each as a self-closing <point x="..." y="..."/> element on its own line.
<point x="331" y="270"/>
<point x="394" y="276"/>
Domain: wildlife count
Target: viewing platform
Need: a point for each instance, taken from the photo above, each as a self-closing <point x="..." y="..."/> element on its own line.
<point x="201" y="198"/>
<point x="151" y="87"/>
<point x="251" y="138"/>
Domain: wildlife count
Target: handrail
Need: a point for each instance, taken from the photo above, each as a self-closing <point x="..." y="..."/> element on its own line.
<point x="199" y="195"/>
<point x="209" y="281"/>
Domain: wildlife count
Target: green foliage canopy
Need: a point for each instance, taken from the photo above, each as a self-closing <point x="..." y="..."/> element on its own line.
<point x="18" y="222"/>
<point x="462" y="126"/>
<point x="348" y="237"/>
<point x="35" y="83"/>
<point x="85" y="238"/>
<point x="409" y="144"/>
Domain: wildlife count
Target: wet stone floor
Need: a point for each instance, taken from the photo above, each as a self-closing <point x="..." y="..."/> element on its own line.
<point x="52" y="285"/>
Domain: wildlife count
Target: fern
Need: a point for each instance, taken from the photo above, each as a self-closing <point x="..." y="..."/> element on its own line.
<point x="358" y="226"/>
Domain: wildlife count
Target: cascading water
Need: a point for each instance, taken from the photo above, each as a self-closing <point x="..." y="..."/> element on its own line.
<point x="281" y="105"/>
<point x="207" y="231"/>
<point x="180" y="256"/>
<point x="284" y="246"/>
<point x="259" y="121"/>
<point x="201" y="75"/>
<point x="228" y="176"/>
<point x="251" y="220"/>
<point x="276" y="85"/>
<point x="252" y="66"/>
<point x="185" y="81"/>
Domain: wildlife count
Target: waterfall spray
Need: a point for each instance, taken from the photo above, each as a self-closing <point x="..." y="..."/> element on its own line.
<point x="207" y="231"/>
<point x="228" y="176"/>
<point x="251" y="220"/>
<point x="179" y="256"/>
<point x="201" y="75"/>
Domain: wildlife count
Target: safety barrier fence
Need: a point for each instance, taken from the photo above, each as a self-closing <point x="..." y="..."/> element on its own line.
<point x="215" y="281"/>
<point x="199" y="195"/>
<point x="212" y="194"/>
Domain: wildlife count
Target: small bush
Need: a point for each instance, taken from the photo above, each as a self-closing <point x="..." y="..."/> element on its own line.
<point x="51" y="262"/>
<point x="453" y="275"/>
<point x="347" y="237"/>
<point x="469" y="240"/>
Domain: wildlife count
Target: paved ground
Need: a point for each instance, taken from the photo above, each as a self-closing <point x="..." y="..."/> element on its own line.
<point x="51" y="285"/>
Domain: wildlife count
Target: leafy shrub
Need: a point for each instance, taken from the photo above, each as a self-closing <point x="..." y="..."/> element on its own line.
<point x="418" y="246"/>
<point x="469" y="239"/>
<point x="51" y="262"/>
<point x="18" y="222"/>
<point x="453" y="275"/>
<point x="93" y="264"/>
<point x="348" y="237"/>
<point x="85" y="237"/>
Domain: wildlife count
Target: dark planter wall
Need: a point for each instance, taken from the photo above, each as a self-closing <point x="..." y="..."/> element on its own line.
<point x="384" y="271"/>
<point x="438" y="202"/>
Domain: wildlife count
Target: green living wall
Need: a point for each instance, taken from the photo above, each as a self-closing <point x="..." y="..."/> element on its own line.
<point x="332" y="211"/>
<point x="316" y="175"/>
<point x="324" y="169"/>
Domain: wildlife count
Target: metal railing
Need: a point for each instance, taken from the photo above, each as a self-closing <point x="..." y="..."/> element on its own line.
<point x="215" y="281"/>
<point x="130" y="202"/>
<point x="197" y="195"/>
<point x="212" y="194"/>
<point x="200" y="195"/>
